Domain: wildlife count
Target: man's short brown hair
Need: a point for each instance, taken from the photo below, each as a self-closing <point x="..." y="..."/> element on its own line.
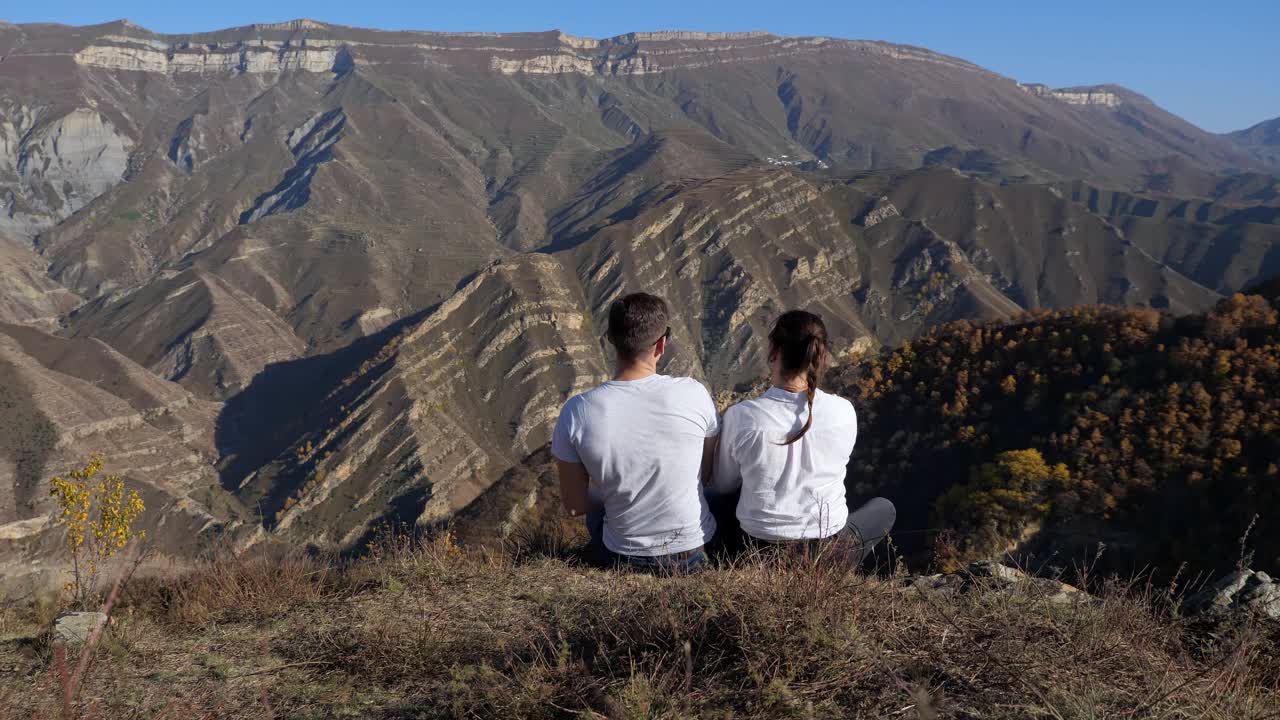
<point x="636" y="322"/>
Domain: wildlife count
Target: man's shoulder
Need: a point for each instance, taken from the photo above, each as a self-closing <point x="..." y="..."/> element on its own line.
<point x="686" y="382"/>
<point x="687" y="388"/>
<point x="577" y="402"/>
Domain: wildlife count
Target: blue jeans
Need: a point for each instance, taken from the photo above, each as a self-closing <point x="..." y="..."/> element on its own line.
<point x="595" y="527"/>
<point x="681" y="563"/>
<point x="688" y="562"/>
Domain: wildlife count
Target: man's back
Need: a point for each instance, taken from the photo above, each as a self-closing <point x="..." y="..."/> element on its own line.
<point x="641" y="442"/>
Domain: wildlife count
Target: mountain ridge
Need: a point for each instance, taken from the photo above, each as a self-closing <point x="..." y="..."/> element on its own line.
<point x="1262" y="139"/>
<point x="1107" y="92"/>
<point x="1112" y="91"/>
<point x="180" y="41"/>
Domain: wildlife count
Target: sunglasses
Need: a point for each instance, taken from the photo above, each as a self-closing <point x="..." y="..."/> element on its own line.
<point x="664" y="336"/>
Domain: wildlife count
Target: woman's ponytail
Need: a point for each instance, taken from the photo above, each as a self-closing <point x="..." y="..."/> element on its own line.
<point x="799" y="339"/>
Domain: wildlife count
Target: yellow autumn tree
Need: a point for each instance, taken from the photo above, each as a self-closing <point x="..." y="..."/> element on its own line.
<point x="99" y="513"/>
<point x="1002" y="499"/>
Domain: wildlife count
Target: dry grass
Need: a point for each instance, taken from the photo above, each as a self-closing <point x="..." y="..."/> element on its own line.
<point x="424" y="630"/>
<point x="230" y="589"/>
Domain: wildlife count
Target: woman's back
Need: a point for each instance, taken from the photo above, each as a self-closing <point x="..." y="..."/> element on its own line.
<point x="789" y="491"/>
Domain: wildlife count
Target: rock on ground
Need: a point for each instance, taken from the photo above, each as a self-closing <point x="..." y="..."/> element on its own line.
<point x="989" y="573"/>
<point x="1242" y="590"/>
<point x="76" y="627"/>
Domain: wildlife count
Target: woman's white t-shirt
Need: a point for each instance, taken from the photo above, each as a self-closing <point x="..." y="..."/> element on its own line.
<point x="789" y="492"/>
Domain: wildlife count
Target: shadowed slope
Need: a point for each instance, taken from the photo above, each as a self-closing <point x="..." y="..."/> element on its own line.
<point x="439" y="411"/>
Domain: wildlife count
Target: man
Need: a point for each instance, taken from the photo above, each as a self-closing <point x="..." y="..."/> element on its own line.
<point x="637" y="448"/>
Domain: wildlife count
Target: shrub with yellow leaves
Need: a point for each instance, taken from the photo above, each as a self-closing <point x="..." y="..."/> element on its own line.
<point x="99" y="514"/>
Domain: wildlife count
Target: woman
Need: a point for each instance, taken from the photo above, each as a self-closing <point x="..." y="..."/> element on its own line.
<point x="787" y="450"/>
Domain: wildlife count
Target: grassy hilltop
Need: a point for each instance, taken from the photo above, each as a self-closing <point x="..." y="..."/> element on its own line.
<point x="428" y="630"/>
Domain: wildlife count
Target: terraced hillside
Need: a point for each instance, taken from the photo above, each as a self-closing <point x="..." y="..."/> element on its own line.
<point x="441" y="409"/>
<point x="62" y="398"/>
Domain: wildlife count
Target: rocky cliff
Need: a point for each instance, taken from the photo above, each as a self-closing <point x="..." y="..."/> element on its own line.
<point x="52" y="165"/>
<point x="1076" y="96"/>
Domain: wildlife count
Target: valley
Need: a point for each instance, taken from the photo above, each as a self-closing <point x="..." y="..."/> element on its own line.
<point x="299" y="280"/>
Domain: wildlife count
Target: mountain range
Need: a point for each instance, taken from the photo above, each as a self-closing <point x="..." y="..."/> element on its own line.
<point x="1262" y="140"/>
<point x="296" y="279"/>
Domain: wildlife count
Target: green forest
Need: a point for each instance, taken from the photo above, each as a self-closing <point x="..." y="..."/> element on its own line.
<point x="1151" y="439"/>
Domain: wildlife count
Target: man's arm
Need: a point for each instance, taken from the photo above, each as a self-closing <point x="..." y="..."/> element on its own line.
<point x="727" y="475"/>
<point x="708" y="459"/>
<point x="574" y="479"/>
<point x="574" y="493"/>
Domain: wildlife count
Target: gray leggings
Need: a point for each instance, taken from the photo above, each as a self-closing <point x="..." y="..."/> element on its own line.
<point x="867" y="526"/>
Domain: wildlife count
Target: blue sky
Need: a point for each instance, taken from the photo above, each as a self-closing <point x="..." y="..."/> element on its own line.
<point x="1214" y="63"/>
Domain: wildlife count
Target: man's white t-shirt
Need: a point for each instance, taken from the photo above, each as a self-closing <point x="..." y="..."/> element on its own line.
<point x="641" y="442"/>
<point x="789" y="492"/>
